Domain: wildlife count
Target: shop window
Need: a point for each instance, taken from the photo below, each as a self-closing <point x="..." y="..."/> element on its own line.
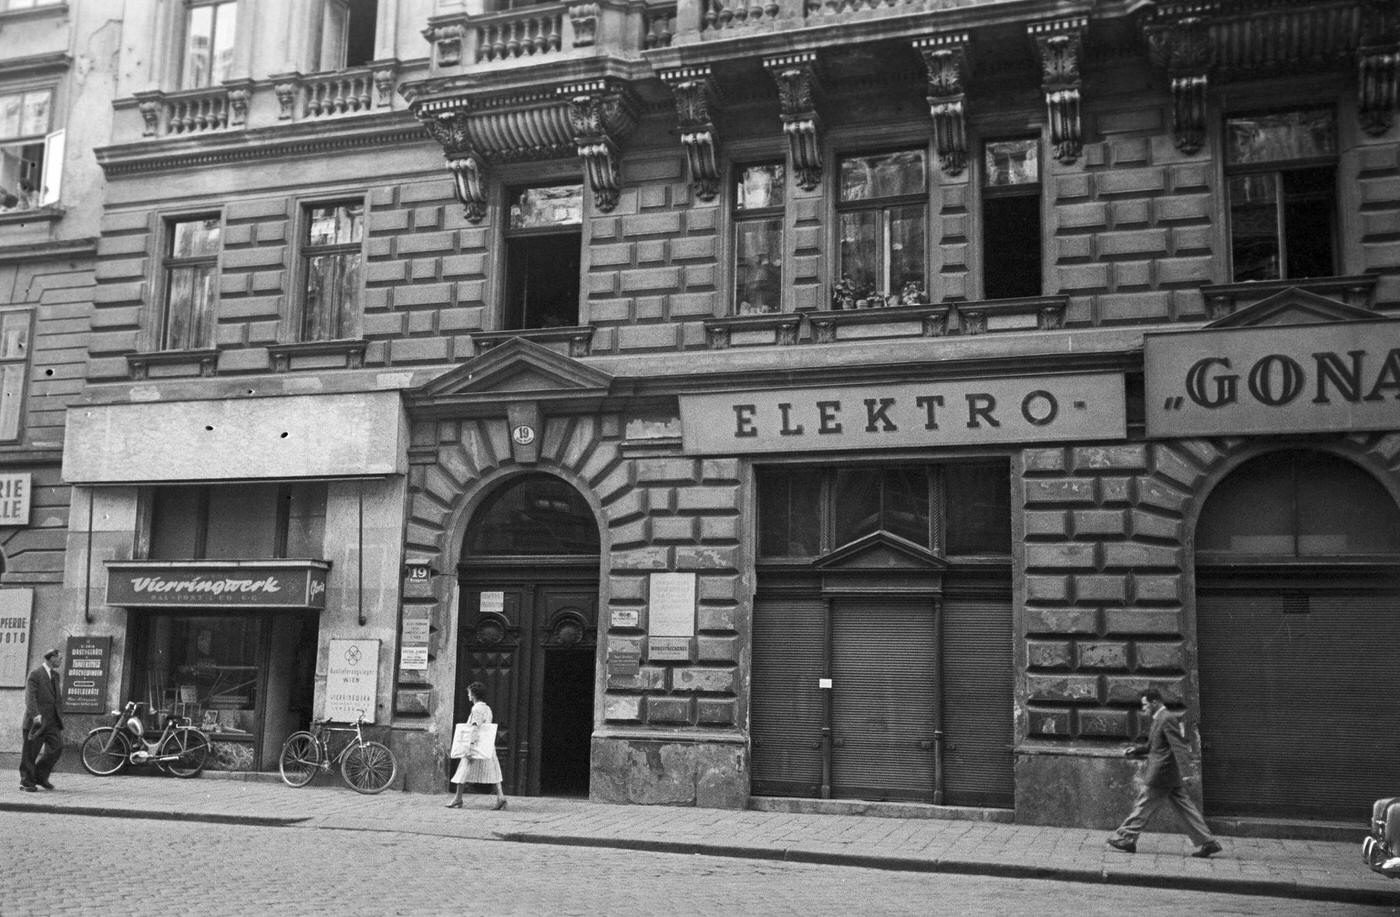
<point x="1011" y="240"/>
<point x="238" y="521"/>
<point x="348" y="33"/>
<point x="544" y="240"/>
<point x="534" y="514"/>
<point x="953" y="509"/>
<point x="1281" y="180"/>
<point x="31" y="153"/>
<point x="882" y="216"/>
<point x="210" y="29"/>
<point x="14" y="364"/>
<point x="1295" y="505"/>
<point x="331" y="261"/>
<point x="759" y="193"/>
<point x="191" y="284"/>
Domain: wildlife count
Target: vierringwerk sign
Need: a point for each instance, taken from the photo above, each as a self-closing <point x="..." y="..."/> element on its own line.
<point x="287" y="584"/>
<point x="1026" y="409"/>
<point x="1317" y="378"/>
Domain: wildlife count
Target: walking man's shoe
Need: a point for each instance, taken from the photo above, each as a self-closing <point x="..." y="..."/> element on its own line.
<point x="29" y="788"/>
<point x="1209" y="848"/>
<point x="1125" y="845"/>
<point x="45" y="784"/>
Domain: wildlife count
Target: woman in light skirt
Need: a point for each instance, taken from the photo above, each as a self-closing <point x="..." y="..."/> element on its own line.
<point x="478" y="770"/>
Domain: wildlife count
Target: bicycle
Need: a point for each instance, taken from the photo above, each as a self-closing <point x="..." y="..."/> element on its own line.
<point x="368" y="767"/>
<point x="180" y="749"/>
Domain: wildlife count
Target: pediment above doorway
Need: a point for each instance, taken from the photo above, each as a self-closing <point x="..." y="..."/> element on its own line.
<point x="516" y="370"/>
<point x="880" y="551"/>
<point x="1293" y="306"/>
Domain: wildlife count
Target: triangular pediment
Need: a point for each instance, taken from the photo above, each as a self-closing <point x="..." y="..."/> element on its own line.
<point x="514" y="369"/>
<point x="880" y="551"/>
<point x="1293" y="307"/>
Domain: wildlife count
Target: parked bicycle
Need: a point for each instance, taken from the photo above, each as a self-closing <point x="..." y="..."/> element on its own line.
<point x="368" y="767"/>
<point x="180" y="748"/>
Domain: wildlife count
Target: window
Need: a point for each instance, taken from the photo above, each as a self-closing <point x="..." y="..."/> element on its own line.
<point x="1281" y="176"/>
<point x="14" y="361"/>
<point x="534" y="514"/>
<point x="347" y="34"/>
<point x="759" y="193"/>
<point x="209" y="35"/>
<point x="882" y="215"/>
<point x="543" y="244"/>
<point x="238" y="521"/>
<point x="191" y="284"/>
<point x="31" y="156"/>
<point x="1011" y="219"/>
<point x="7" y="6"/>
<point x="331" y="252"/>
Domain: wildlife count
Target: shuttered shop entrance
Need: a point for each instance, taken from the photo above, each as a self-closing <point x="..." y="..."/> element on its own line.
<point x="1299" y="715"/>
<point x="977" y="702"/>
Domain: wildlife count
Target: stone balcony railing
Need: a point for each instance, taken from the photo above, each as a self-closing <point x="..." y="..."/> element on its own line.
<point x="548" y="32"/>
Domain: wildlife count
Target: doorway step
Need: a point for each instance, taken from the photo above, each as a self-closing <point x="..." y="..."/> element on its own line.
<point x="879" y="809"/>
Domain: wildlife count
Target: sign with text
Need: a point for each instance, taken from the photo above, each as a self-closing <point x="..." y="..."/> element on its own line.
<point x="16" y="612"/>
<point x="1319" y="378"/>
<point x="233" y="584"/>
<point x="87" y="665"/>
<point x="352" y="680"/>
<point x="899" y="415"/>
<point x="14" y="499"/>
<point x="413" y="644"/>
<point x="671" y="608"/>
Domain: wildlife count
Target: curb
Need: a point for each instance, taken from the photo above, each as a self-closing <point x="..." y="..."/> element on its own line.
<point x="263" y="821"/>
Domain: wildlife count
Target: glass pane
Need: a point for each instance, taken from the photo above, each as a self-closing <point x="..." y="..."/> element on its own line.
<point x="905" y="505"/>
<point x="336" y="224"/>
<point x="199" y="38"/>
<point x="978" y="508"/>
<point x="1343" y="510"/>
<point x="759" y="186"/>
<point x="306" y="520"/>
<point x="855" y="499"/>
<point x="862" y="267"/>
<point x="190" y="307"/>
<point x="789" y="513"/>
<point x="758" y="266"/>
<point x="560" y="205"/>
<point x="907" y="255"/>
<point x="174" y="523"/>
<point x="1013" y="162"/>
<point x="1279" y="137"/>
<point x="332" y="296"/>
<point x="866" y="177"/>
<point x="21" y="171"/>
<point x="10" y="108"/>
<point x="14" y="336"/>
<point x="536" y="514"/>
<point x="1254" y="243"/>
<point x="225" y="28"/>
<point x="11" y="399"/>
<point x="34" y="119"/>
<point x="242" y="522"/>
<point x="192" y="238"/>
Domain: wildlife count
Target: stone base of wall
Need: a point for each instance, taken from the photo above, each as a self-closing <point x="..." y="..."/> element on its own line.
<point x="1075" y="791"/>
<point x="667" y="771"/>
<point x="421" y="767"/>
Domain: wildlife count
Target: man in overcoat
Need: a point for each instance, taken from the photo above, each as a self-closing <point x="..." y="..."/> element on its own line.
<point x="1163" y="782"/>
<point x="43" y="725"/>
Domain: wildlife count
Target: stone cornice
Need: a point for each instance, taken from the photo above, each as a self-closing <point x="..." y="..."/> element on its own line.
<point x="35" y="65"/>
<point x="62" y="248"/>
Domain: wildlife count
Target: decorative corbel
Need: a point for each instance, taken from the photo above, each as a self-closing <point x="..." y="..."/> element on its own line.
<point x="798" y="92"/>
<point x="286" y="92"/>
<point x="467" y="183"/>
<point x="449" y="129"/>
<point x="151" y="104"/>
<point x="695" y="91"/>
<point x="1182" y="48"/>
<point x="601" y="114"/>
<point x="239" y="95"/>
<point x="1378" y="65"/>
<point x="447" y="42"/>
<point x="946" y="57"/>
<point x="584" y="19"/>
<point x="1060" y="44"/>
<point x="385" y="72"/>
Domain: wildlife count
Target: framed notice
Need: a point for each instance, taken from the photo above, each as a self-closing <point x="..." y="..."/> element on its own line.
<point x="671" y="612"/>
<point x="16" y="607"/>
<point x="87" y="665"/>
<point x="352" y="680"/>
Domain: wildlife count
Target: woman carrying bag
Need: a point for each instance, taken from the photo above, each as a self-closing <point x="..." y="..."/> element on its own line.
<point x="479" y="763"/>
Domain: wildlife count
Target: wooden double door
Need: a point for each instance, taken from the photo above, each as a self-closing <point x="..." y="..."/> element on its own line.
<point x="530" y="635"/>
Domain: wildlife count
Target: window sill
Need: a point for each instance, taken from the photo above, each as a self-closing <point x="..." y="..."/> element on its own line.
<point x="34" y="12"/>
<point x="172" y="363"/>
<point x="757" y="329"/>
<point x="1223" y="299"/>
<point x="930" y="321"/>
<point x="1039" y="313"/>
<point x="344" y="353"/>
<point x="48" y="214"/>
<point x="578" y="339"/>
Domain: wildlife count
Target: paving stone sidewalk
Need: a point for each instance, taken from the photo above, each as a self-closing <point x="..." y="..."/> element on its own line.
<point x="1306" y="869"/>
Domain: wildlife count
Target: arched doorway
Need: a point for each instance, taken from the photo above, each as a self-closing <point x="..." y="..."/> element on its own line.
<point x="529" y="629"/>
<point x="1298" y="633"/>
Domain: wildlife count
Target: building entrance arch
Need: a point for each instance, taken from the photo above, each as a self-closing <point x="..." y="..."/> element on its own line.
<point x="1298" y="629"/>
<point x="528" y="629"/>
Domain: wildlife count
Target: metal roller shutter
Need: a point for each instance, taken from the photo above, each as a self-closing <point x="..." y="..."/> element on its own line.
<point x="786" y="706"/>
<point x="977" y="702"/>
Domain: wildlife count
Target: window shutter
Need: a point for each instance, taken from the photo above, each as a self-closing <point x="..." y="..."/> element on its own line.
<point x="52" y="180"/>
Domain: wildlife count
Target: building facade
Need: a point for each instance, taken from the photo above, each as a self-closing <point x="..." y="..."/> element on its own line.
<point x="796" y="400"/>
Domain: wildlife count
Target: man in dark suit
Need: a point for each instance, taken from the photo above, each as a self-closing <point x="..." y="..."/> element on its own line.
<point x="43" y="726"/>
<point x="1163" y="783"/>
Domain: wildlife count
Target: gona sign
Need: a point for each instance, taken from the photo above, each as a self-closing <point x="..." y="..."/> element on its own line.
<point x="1277" y="379"/>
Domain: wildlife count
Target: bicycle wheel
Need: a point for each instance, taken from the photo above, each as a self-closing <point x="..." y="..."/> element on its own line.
<point x="191" y="745"/>
<point x="104" y="753"/>
<point x="370" y="767"/>
<point x="300" y="759"/>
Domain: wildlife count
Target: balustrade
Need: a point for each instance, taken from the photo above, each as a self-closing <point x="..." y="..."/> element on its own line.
<point x="527" y="34"/>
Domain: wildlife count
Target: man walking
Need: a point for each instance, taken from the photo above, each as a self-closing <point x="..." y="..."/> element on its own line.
<point x="1162" y="784"/>
<point x="43" y="727"/>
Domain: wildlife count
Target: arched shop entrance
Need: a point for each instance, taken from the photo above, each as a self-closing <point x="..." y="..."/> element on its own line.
<point x="529" y="629"/>
<point x="1298" y="629"/>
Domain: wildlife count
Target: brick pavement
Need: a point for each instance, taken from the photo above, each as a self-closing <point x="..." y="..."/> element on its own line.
<point x="1306" y="869"/>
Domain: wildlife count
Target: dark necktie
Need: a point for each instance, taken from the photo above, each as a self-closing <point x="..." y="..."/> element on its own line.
<point x="53" y="678"/>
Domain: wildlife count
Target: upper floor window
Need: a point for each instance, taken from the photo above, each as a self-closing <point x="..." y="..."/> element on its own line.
<point x="348" y="33"/>
<point x="882" y="217"/>
<point x="31" y="155"/>
<point x="1281" y="179"/>
<point x="7" y="6"/>
<point x="1011" y="219"/>
<point x="543" y="257"/>
<point x="238" y="521"/>
<point x="759" y="193"/>
<point x="14" y="360"/>
<point x="191" y="284"/>
<point x="209" y="34"/>
<point x="331" y="256"/>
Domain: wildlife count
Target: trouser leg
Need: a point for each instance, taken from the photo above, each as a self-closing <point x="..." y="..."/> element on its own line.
<point x="1148" y="801"/>
<point x="27" y="750"/>
<point x="1190" y="816"/>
